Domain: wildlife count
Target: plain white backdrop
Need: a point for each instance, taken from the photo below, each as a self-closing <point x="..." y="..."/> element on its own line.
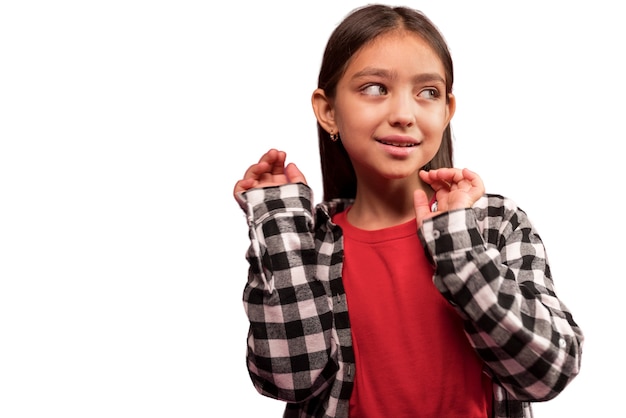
<point x="125" y="124"/>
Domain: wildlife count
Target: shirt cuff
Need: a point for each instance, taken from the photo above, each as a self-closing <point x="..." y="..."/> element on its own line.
<point x="452" y="233"/>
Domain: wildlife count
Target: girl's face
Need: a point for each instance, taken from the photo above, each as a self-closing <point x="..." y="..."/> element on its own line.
<point x="390" y="107"/>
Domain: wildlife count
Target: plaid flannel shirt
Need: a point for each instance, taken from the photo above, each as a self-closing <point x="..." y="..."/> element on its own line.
<point x="489" y="263"/>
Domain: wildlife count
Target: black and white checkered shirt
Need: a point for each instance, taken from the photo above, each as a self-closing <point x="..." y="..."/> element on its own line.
<point x="489" y="263"/>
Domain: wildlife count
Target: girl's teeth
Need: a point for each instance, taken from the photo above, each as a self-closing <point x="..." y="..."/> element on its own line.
<point x="399" y="145"/>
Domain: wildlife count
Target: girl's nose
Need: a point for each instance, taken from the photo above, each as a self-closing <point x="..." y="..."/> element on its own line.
<point x="402" y="111"/>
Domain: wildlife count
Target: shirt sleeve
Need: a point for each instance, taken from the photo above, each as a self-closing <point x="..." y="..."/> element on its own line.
<point x="491" y="264"/>
<point x="291" y="355"/>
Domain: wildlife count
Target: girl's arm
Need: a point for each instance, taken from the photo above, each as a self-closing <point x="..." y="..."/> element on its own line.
<point x="291" y="355"/>
<point x="491" y="264"/>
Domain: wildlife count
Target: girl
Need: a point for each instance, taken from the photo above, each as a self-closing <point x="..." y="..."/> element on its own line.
<point x="409" y="292"/>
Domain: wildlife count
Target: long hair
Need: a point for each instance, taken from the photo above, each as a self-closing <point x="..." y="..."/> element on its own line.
<point x="356" y="30"/>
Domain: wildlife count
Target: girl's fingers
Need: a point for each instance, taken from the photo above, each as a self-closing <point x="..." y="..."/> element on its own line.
<point x="255" y="171"/>
<point x="450" y="176"/>
<point x="272" y="162"/>
<point x="279" y="163"/>
<point x="242" y="186"/>
<point x="477" y="188"/>
<point x="275" y="160"/>
<point x="269" y="171"/>
<point x="472" y="177"/>
<point x="422" y="207"/>
<point x="435" y="178"/>
<point x="294" y="175"/>
<point x="454" y="188"/>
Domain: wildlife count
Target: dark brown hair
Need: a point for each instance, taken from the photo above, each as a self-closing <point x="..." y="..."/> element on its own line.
<point x="357" y="29"/>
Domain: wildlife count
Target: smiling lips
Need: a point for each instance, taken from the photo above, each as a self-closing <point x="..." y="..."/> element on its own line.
<point x="402" y="145"/>
<point x="399" y="141"/>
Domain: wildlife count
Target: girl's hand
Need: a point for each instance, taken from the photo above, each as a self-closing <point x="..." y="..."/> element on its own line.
<point x="269" y="171"/>
<point x="454" y="189"/>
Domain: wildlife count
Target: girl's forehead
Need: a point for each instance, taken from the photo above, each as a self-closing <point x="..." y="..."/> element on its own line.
<point x="396" y="38"/>
<point x="396" y="48"/>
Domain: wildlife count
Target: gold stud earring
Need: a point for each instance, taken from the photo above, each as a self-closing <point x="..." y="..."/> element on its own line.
<point x="334" y="136"/>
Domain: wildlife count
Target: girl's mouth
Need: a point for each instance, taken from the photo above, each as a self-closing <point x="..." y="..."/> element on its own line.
<point x="401" y="145"/>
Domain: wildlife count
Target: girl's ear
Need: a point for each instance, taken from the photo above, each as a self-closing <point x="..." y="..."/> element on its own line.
<point x="451" y="107"/>
<point x="324" y="112"/>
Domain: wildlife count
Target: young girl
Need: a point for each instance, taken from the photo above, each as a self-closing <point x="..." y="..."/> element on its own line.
<point x="409" y="292"/>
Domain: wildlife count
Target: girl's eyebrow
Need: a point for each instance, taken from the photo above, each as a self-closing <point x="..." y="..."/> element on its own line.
<point x="372" y="71"/>
<point x="429" y="78"/>
<point x="382" y="73"/>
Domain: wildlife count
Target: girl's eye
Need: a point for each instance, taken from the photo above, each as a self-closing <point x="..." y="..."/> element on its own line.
<point x="374" y="90"/>
<point x="429" y="93"/>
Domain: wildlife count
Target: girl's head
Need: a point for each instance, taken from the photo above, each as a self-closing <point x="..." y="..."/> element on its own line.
<point x="357" y="30"/>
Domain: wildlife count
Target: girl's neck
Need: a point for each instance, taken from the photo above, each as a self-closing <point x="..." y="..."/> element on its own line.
<point x="385" y="205"/>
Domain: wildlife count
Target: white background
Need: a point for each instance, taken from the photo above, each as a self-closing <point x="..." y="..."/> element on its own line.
<point x="125" y="124"/>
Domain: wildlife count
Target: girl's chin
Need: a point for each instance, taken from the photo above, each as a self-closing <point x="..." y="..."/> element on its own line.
<point x="401" y="175"/>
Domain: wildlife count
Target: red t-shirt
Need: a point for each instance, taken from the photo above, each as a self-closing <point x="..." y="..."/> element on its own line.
<point x="412" y="357"/>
